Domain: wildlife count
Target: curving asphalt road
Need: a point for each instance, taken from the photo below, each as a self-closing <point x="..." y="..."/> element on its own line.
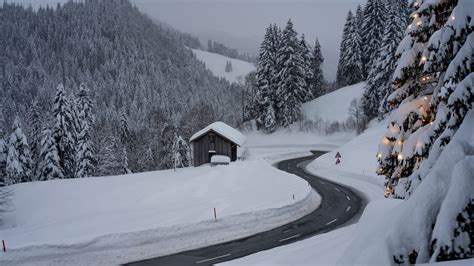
<point x="340" y="206"/>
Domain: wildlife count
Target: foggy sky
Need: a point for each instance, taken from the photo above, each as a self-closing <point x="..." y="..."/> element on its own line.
<point x="241" y="23"/>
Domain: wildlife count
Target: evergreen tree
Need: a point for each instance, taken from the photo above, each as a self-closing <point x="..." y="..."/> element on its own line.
<point x="84" y="150"/>
<point x="292" y="84"/>
<point x="350" y="62"/>
<point x="35" y="121"/>
<point x="166" y="146"/>
<point x="266" y="80"/>
<point x="433" y="98"/>
<point x="359" y="17"/>
<point x="18" y="167"/>
<point x="353" y="68"/>
<point x="149" y="163"/>
<point x="64" y="132"/>
<point x="180" y="152"/>
<point x="49" y="167"/>
<point x="306" y="55"/>
<point x="342" y="51"/>
<point x="379" y="82"/>
<point x="317" y="81"/>
<point x="107" y="157"/>
<point x="372" y="32"/>
<point x="125" y="135"/>
<point x="125" y="170"/>
<point x="85" y="154"/>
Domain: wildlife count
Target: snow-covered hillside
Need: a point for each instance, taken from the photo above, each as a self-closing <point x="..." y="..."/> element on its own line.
<point x="333" y="106"/>
<point x="173" y="210"/>
<point x="216" y="64"/>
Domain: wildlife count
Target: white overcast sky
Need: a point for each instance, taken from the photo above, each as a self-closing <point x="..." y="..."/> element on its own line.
<point x="241" y="23"/>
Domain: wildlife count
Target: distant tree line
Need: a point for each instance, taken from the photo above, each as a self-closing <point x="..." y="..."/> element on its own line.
<point x="219" y="48"/>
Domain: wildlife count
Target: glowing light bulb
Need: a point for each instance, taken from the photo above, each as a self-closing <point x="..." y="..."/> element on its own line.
<point x="423" y="58"/>
<point x="386" y="141"/>
<point x="418" y="23"/>
<point x="409" y="26"/>
<point x="425" y="98"/>
<point x="379" y="155"/>
<point x="453" y="17"/>
<point x="400" y="157"/>
<point x="415" y="16"/>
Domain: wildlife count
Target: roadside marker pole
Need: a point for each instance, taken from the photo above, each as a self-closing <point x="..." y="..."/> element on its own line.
<point x="4" y="248"/>
<point x="215" y="214"/>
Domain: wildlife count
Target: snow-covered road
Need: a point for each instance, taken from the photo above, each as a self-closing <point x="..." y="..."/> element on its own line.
<point x="340" y="206"/>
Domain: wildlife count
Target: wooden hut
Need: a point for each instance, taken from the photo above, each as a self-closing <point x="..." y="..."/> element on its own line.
<point x="216" y="139"/>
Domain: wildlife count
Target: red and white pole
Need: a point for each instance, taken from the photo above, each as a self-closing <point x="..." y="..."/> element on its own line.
<point x="215" y="214"/>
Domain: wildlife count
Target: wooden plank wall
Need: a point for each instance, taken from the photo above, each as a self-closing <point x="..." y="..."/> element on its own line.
<point x="201" y="148"/>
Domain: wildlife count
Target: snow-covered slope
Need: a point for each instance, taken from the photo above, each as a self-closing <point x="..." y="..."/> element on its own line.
<point x="216" y="64"/>
<point x="148" y="214"/>
<point x="333" y="106"/>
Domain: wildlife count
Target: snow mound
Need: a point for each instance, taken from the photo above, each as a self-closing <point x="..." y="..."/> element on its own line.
<point x="220" y="159"/>
<point x="216" y="64"/>
<point x="333" y="106"/>
<point x="222" y="129"/>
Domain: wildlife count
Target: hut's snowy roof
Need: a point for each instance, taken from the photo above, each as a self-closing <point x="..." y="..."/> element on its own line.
<point x="224" y="130"/>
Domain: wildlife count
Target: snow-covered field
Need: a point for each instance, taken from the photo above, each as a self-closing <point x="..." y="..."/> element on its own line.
<point x="97" y="219"/>
<point x="333" y="106"/>
<point x="216" y="64"/>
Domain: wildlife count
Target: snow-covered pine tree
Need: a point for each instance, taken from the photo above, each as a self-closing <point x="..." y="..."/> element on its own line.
<point x="149" y="163"/>
<point x="317" y="82"/>
<point x="85" y="153"/>
<point x="359" y="17"/>
<point x="49" y="167"/>
<point x="343" y="50"/>
<point x="306" y="55"/>
<point x="292" y="84"/>
<point x="124" y="130"/>
<point x="353" y="68"/>
<point x="181" y="153"/>
<point x="166" y="146"/>
<point x="422" y="156"/>
<point x="18" y="167"/>
<point x="266" y="80"/>
<point x="35" y="122"/>
<point x="379" y="81"/>
<point x="107" y="156"/>
<point x="125" y="170"/>
<point x="84" y="150"/>
<point x="85" y="106"/>
<point x="372" y="32"/>
<point x="64" y="132"/>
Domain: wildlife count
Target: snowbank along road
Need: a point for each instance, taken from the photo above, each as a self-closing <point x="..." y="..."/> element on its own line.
<point x="340" y="206"/>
